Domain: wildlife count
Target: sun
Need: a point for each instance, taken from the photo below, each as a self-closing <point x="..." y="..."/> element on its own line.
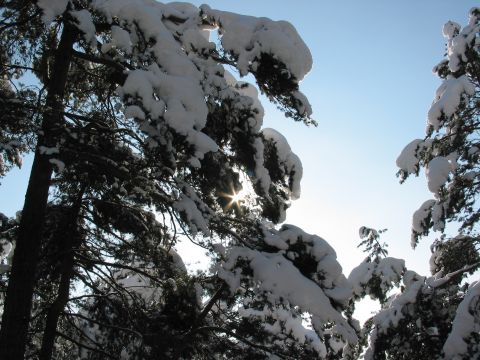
<point x="241" y="196"/>
<point x="236" y="198"/>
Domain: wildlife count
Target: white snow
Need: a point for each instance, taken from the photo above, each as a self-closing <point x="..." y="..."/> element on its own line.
<point x="59" y="165"/>
<point x="194" y="217"/>
<point x="394" y="310"/>
<point x="186" y="111"/>
<point x="458" y="41"/>
<point x="85" y="24"/>
<point x="437" y="215"/>
<point x="134" y="111"/>
<point x="448" y="98"/>
<point x="388" y="269"/>
<point x="173" y="89"/>
<point x="138" y="283"/>
<point x="147" y="16"/>
<point x="465" y="323"/>
<point x="48" y="150"/>
<point x="473" y="16"/>
<point x="141" y="284"/>
<point x="451" y="29"/>
<point x="283" y="320"/>
<point x="246" y="89"/>
<point x="5" y="248"/>
<point x="437" y="173"/>
<point x="193" y="40"/>
<point x="407" y="160"/>
<point x="261" y="173"/>
<point x="303" y="105"/>
<point x="421" y="215"/>
<point x="121" y="39"/>
<point x="51" y="9"/>
<point x="275" y="274"/>
<point x="177" y="261"/>
<point x="287" y="159"/>
<point x="195" y="212"/>
<point x="247" y="37"/>
<point x="473" y="150"/>
<point x="331" y="277"/>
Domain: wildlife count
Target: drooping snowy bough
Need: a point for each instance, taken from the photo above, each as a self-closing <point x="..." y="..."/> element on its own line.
<point x="437" y="317"/>
<point x="450" y="151"/>
<point x="144" y="134"/>
<point x="293" y="275"/>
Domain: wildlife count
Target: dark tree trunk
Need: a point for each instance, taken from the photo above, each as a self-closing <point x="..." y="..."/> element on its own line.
<point x="18" y="302"/>
<point x="67" y="244"/>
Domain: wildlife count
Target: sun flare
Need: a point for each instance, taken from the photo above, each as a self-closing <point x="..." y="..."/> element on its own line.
<point x="236" y="198"/>
<point x="240" y="197"/>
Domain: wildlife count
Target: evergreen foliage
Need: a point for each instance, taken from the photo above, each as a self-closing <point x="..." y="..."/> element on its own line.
<point x="142" y="138"/>
<point x="437" y="316"/>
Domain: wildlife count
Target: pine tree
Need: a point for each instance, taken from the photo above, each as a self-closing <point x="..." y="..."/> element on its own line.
<point x="449" y="152"/>
<point x="143" y="136"/>
<point x="436" y="316"/>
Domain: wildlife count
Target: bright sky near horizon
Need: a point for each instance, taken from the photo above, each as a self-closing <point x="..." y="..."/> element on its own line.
<point x="370" y="89"/>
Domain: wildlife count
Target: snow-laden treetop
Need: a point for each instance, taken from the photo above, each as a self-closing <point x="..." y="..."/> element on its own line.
<point x="449" y="153"/>
<point x="181" y="106"/>
<point x="174" y="61"/>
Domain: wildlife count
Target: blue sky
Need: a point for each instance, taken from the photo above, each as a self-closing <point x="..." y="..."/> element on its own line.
<point x="370" y="88"/>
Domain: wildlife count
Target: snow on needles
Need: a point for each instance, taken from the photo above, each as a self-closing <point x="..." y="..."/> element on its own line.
<point x="407" y="160"/>
<point x="172" y="90"/>
<point x="85" y="24"/>
<point x="247" y="37"/>
<point x="5" y="248"/>
<point x="186" y="111"/>
<point x="448" y="98"/>
<point x="465" y="323"/>
<point x="120" y="40"/>
<point x="450" y="94"/>
<point x="287" y="159"/>
<point x="51" y="9"/>
<point x="421" y="215"/>
<point x="281" y="276"/>
<point x="437" y="173"/>
<point x="459" y="41"/>
<point x="194" y="212"/>
<point x="389" y="270"/>
<point x="394" y="311"/>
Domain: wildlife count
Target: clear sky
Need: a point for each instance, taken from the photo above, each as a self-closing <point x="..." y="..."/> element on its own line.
<point x="370" y="88"/>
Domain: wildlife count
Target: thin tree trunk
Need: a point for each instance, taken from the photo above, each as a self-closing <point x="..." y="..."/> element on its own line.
<point x="18" y="302"/>
<point x="67" y="246"/>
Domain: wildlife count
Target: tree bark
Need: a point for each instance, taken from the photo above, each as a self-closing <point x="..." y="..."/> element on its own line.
<point x="18" y="302"/>
<point x="67" y="247"/>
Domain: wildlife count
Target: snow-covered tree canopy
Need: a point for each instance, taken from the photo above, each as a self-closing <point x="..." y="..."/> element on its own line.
<point x="437" y="316"/>
<point x="449" y="153"/>
<point x="143" y="134"/>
